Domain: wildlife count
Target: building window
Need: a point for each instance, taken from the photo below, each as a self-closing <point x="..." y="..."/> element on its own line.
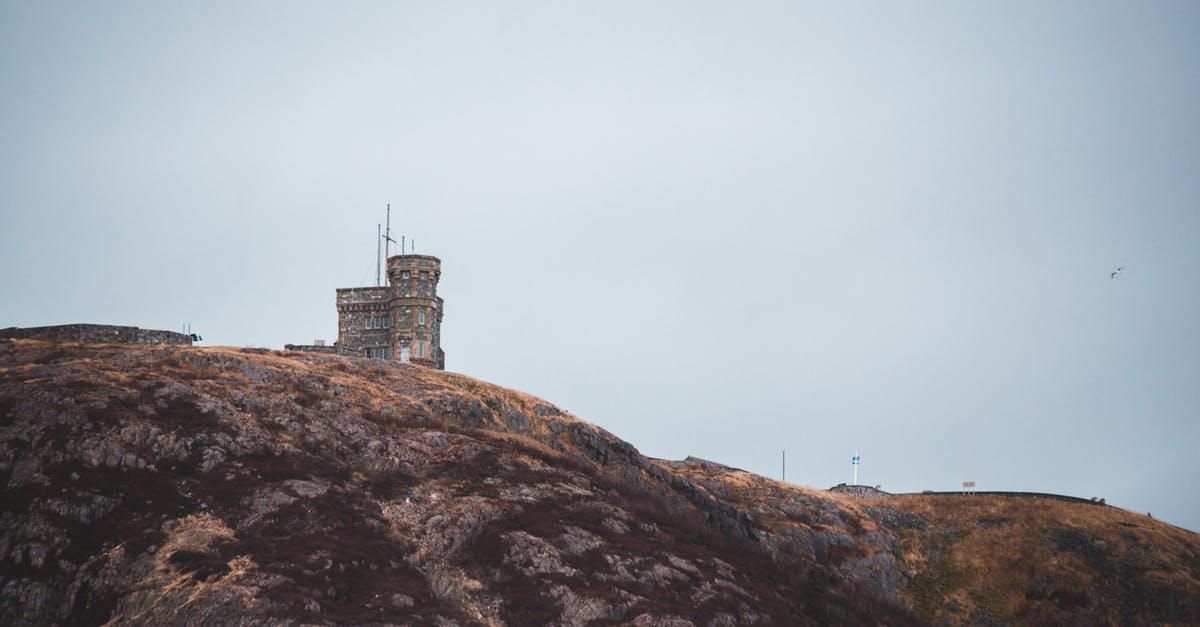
<point x="420" y="350"/>
<point x="424" y="275"/>
<point x="421" y="318"/>
<point x="367" y="320"/>
<point x="387" y="320"/>
<point x="368" y="352"/>
<point x="385" y="352"/>
<point x="404" y="274"/>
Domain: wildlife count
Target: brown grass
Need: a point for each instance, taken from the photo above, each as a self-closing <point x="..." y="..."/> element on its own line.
<point x="1044" y="559"/>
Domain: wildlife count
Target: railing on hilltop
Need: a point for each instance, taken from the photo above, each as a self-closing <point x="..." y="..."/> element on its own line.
<point x="1040" y="495"/>
<point x="868" y="492"/>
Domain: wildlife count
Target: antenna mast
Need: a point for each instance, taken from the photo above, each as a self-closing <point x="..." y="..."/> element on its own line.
<point x="387" y="241"/>
<point x="377" y="243"/>
<point x="389" y="229"/>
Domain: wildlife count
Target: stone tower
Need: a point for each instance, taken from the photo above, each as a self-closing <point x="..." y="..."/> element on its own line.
<point x="415" y="309"/>
<point x="402" y="320"/>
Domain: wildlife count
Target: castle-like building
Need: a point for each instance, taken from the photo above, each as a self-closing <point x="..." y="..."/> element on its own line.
<point x="402" y="320"/>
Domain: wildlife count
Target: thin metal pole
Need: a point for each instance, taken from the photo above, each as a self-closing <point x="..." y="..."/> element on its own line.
<point x="388" y="232"/>
<point x="377" y="263"/>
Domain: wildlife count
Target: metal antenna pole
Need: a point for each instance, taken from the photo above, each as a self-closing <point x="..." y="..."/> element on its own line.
<point x="377" y="243"/>
<point x="401" y="244"/>
<point x="388" y="232"/>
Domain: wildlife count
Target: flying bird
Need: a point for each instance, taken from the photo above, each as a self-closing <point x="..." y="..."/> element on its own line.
<point x="1117" y="272"/>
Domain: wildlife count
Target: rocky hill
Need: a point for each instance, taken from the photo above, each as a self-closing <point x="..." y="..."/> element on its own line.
<point x="180" y="485"/>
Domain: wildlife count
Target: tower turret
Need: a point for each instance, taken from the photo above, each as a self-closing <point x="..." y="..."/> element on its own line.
<point x="416" y="309"/>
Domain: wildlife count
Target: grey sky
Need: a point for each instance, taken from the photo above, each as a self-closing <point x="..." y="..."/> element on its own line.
<point x="717" y="229"/>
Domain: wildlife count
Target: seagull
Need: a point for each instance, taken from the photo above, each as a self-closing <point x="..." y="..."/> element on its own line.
<point x="1117" y="272"/>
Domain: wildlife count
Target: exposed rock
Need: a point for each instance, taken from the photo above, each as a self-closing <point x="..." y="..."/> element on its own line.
<point x="535" y="556"/>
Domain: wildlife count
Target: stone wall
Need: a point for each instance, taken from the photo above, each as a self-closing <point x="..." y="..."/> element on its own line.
<point x="363" y="320"/>
<point x="105" y="333"/>
<point x="311" y="348"/>
<point x="861" y="491"/>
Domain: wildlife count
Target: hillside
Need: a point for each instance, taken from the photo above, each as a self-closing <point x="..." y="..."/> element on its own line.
<point x="189" y="485"/>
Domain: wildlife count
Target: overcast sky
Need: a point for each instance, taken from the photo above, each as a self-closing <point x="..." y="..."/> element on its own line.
<point x="713" y="229"/>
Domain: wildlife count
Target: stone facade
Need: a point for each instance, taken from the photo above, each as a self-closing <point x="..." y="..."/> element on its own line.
<point x="104" y="333"/>
<point x="363" y="323"/>
<point x="401" y="321"/>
